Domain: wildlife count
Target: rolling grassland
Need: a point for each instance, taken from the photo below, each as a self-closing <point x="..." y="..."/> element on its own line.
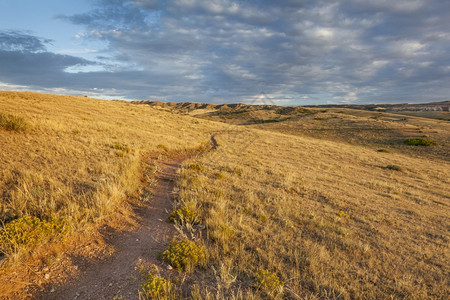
<point x="329" y="219"/>
<point x="276" y="204"/>
<point x="74" y="165"/>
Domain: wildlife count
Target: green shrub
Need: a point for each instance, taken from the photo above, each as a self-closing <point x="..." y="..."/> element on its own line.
<point x="268" y="282"/>
<point x="419" y="142"/>
<point x="184" y="255"/>
<point x="156" y="287"/>
<point x="185" y="215"/>
<point x="12" y="122"/>
<point x="27" y="232"/>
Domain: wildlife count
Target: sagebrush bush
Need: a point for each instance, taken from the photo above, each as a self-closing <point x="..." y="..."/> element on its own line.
<point x="419" y="142"/>
<point x="156" y="287"/>
<point x="185" y="215"/>
<point x="184" y="255"/>
<point x="26" y="232"/>
<point x="269" y="282"/>
<point x="12" y="122"/>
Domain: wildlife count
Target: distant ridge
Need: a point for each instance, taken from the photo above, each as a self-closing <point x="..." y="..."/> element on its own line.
<point x="190" y="106"/>
<point x="432" y="106"/>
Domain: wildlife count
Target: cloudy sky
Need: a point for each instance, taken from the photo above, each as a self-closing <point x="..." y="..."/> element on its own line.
<point x="296" y="52"/>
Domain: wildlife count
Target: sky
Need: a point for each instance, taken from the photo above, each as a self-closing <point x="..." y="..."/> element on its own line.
<point x="294" y="52"/>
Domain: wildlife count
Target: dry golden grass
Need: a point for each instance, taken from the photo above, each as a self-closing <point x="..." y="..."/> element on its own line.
<point x="306" y="208"/>
<point x="327" y="217"/>
<point x="378" y="130"/>
<point x="79" y="158"/>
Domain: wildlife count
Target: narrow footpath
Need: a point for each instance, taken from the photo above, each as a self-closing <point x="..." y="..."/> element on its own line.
<point x="117" y="277"/>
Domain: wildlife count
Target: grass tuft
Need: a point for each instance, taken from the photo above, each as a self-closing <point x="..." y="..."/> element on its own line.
<point x="219" y="175"/>
<point x="393" y="167"/>
<point x="185" y="215"/>
<point x="269" y="282"/>
<point x="121" y="147"/>
<point x="162" y="147"/>
<point x="156" y="287"/>
<point x="197" y="167"/>
<point x="342" y="214"/>
<point x="13" y="123"/>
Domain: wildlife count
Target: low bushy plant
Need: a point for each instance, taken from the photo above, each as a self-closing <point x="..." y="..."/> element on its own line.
<point x="26" y="232"/>
<point x="185" y="215"/>
<point x="184" y="255"/>
<point x="419" y="142"/>
<point x="156" y="287"/>
<point x="269" y="282"/>
<point x="12" y="122"/>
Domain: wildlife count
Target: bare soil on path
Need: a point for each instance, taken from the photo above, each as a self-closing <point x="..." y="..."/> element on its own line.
<point x="118" y="275"/>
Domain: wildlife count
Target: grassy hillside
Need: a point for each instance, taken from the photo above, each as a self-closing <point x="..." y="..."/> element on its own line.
<point x="377" y="131"/>
<point x="332" y="201"/>
<point x="331" y="220"/>
<point x="374" y="129"/>
<point x="79" y="158"/>
<point x="293" y="203"/>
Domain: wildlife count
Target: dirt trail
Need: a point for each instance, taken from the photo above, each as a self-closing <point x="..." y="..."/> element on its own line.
<point x="117" y="276"/>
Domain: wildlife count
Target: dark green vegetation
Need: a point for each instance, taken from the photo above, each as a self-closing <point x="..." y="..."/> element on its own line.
<point x="419" y="142"/>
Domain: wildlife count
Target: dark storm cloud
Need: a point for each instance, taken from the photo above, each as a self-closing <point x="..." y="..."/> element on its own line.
<point x="217" y="50"/>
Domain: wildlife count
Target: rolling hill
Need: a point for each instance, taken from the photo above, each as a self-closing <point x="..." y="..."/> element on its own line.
<point x="284" y="202"/>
